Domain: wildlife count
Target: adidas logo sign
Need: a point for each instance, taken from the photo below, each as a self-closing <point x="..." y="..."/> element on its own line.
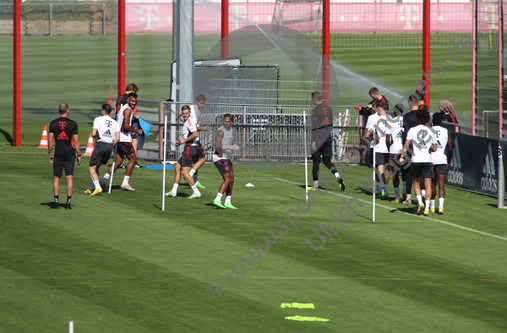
<point x="489" y="181"/>
<point x="455" y="175"/>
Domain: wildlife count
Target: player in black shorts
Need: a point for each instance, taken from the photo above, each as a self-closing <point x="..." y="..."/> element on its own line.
<point x="322" y="143"/>
<point x="222" y="159"/>
<point x="64" y="132"/>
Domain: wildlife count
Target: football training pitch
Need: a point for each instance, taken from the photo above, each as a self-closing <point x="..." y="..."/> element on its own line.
<point x="118" y="263"/>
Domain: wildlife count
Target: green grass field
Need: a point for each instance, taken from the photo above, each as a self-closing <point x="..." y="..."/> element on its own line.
<point x="118" y="263"/>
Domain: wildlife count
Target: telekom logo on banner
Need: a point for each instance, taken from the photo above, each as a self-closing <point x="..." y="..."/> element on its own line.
<point x="345" y="17"/>
<point x="407" y="15"/>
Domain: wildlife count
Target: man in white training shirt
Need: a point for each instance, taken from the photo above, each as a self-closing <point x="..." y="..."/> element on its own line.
<point x="440" y="162"/>
<point x="377" y="126"/>
<point x="185" y="162"/>
<point x="106" y="131"/>
<point x="125" y="147"/>
<point x="394" y="140"/>
<point x="422" y="139"/>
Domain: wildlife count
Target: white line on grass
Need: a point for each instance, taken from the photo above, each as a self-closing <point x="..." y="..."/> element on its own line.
<point x="32" y="277"/>
<point x="325" y="278"/>
<point x="182" y="220"/>
<point x="419" y="216"/>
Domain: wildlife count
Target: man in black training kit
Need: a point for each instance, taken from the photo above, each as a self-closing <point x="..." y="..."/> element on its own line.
<point x="64" y="132"/>
<point x="322" y="143"/>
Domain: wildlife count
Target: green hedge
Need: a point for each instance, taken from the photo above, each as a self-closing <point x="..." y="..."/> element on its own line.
<point x="60" y="13"/>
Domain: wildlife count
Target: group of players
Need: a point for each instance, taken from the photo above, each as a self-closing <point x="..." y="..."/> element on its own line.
<point x="411" y="145"/>
<point x="108" y="132"/>
<point x="120" y="134"/>
<point x="193" y="156"/>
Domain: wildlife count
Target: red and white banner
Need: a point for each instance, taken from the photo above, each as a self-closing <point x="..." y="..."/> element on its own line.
<point x="345" y="17"/>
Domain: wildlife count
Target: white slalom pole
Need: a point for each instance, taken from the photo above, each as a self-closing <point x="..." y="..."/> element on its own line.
<point x="71" y="326"/>
<point x="112" y="170"/>
<point x="306" y="154"/>
<point x="374" y="183"/>
<point x="164" y="163"/>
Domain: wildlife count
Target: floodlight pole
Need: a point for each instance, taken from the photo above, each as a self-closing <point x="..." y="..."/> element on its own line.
<point x="225" y="29"/>
<point x="326" y="50"/>
<point x="121" y="46"/>
<point x="16" y="34"/>
<point x="426" y="48"/>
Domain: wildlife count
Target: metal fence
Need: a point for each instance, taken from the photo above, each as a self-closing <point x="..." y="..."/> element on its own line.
<point x="273" y="133"/>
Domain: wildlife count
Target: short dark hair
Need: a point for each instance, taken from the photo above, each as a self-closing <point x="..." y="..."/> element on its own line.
<point x="399" y="107"/>
<point x="437" y="118"/>
<point x="228" y="115"/>
<point x="64" y="107"/>
<point x="185" y="107"/>
<point x="132" y="95"/>
<point x="317" y="95"/>
<point x="422" y="116"/>
<point x="381" y="104"/>
<point x="413" y="100"/>
<point x="420" y="94"/>
<point x="132" y="87"/>
<point x="106" y="107"/>
<point x="373" y="90"/>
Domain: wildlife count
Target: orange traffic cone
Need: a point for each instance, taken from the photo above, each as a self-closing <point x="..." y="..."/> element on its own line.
<point x="44" y="138"/>
<point x="89" y="147"/>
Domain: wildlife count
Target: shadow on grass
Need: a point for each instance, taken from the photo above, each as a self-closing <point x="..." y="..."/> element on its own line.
<point x="7" y="136"/>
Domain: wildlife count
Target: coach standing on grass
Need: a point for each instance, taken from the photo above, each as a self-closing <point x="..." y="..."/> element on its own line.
<point x="64" y="131"/>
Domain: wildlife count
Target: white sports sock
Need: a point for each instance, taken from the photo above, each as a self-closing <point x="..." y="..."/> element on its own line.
<point x="196" y="191"/>
<point x="432" y="202"/>
<point x="423" y="193"/>
<point x="441" y="202"/>
<point x="192" y="172"/>
<point x="107" y="176"/>
<point x="337" y="175"/>
<point x="175" y="187"/>
<point x="97" y="184"/>
<point x="419" y="199"/>
<point x="126" y="180"/>
<point x="228" y="199"/>
<point x="315" y="183"/>
<point x="426" y="205"/>
<point x="219" y="196"/>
